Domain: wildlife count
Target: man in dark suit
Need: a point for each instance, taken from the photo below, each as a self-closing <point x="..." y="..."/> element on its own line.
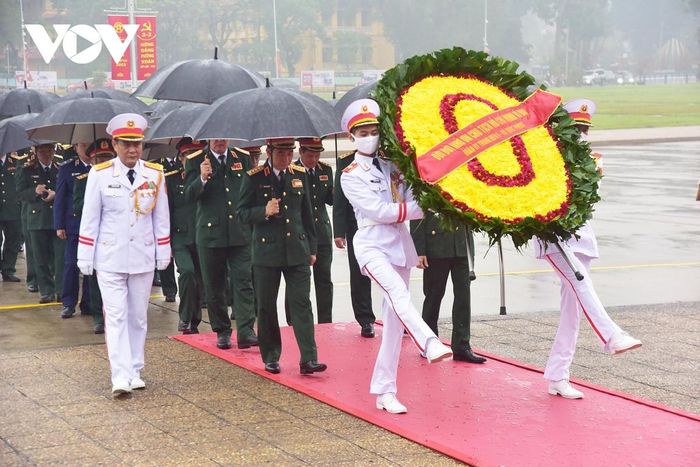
<point x="443" y="253"/>
<point x="168" y="284"/>
<point x="275" y="200"/>
<point x="67" y="225"/>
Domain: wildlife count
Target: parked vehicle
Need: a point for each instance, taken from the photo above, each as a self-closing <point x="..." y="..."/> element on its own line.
<point x="108" y="83"/>
<point x="598" y="76"/>
<point x="624" y="77"/>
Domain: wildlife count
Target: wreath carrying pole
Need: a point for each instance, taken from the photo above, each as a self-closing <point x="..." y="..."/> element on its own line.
<point x="502" y="275"/>
<point x="576" y="272"/>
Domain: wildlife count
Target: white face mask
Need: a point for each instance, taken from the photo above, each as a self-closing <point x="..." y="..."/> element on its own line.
<point x="367" y="145"/>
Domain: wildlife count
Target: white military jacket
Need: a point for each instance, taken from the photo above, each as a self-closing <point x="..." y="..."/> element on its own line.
<point x="586" y="244"/>
<point x="382" y="202"/>
<point x="125" y="228"/>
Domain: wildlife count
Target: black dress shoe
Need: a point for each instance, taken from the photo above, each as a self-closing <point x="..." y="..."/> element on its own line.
<point x="184" y="326"/>
<point x="367" y="330"/>
<point x="272" y="367"/>
<point x="203" y="305"/>
<point x="223" y="341"/>
<point x="68" y="312"/>
<point x="312" y="367"/>
<point x="32" y="288"/>
<point x="85" y="311"/>
<point x="100" y="328"/>
<point x="10" y="278"/>
<point x="467" y="356"/>
<point x="170" y="298"/>
<point x="248" y="342"/>
<point x="194" y="330"/>
<point x="46" y="299"/>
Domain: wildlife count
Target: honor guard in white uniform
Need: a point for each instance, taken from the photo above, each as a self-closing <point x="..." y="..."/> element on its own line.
<point x="383" y="202"/>
<point x="578" y="296"/>
<point x="124" y="236"/>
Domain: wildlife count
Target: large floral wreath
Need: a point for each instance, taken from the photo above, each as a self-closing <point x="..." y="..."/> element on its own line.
<point x="542" y="182"/>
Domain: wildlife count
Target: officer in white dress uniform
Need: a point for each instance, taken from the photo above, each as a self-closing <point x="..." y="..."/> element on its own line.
<point x="383" y="203"/>
<point x="124" y="235"/>
<point x="578" y="296"/>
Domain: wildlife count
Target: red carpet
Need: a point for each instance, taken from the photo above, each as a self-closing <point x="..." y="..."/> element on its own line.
<point x="496" y="414"/>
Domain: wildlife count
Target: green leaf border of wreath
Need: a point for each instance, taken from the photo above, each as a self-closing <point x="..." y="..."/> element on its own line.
<point x="504" y="74"/>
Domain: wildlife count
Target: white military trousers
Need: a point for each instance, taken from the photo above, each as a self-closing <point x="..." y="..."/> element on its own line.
<point x="576" y="297"/>
<point x="398" y="313"/>
<point x="125" y="300"/>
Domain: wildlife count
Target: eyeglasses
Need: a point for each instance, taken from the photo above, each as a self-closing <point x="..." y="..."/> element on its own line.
<point x="129" y="144"/>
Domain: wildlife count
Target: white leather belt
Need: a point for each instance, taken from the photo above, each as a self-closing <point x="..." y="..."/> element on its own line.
<point x="369" y="222"/>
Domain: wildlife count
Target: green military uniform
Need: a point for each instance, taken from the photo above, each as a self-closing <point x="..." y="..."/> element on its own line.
<point x="282" y="244"/>
<point x="222" y="240"/>
<point x="345" y="225"/>
<point x="321" y="190"/>
<point x="168" y="283"/>
<point x="26" y="239"/>
<point x="447" y="254"/>
<point x="47" y="248"/>
<point x="10" y="225"/>
<point x="182" y="242"/>
<point x="93" y="287"/>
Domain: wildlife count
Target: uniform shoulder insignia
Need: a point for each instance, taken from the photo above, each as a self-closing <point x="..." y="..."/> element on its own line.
<point x="82" y="176"/>
<point x="298" y="168"/>
<point x="153" y="166"/>
<point x="194" y="154"/>
<point x="20" y="158"/>
<point x="58" y="157"/>
<point x="104" y="165"/>
<point x="172" y="172"/>
<point x="347" y="154"/>
<point x="325" y="164"/>
<point x="255" y="170"/>
<point x="350" y="168"/>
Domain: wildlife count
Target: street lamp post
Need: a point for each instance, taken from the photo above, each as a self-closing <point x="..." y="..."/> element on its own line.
<point x="274" y="29"/>
<point x="486" y="26"/>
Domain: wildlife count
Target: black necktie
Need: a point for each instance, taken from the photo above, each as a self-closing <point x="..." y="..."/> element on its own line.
<point x="375" y="162"/>
<point x="281" y="177"/>
<point x="311" y="172"/>
<point x="222" y="160"/>
<point x="130" y="176"/>
<point x="46" y="171"/>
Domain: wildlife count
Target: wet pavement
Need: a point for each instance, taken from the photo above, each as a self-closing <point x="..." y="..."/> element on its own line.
<point x="54" y="376"/>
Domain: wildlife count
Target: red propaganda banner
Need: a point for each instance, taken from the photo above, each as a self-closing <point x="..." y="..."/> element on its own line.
<point x="467" y="143"/>
<point x="145" y="47"/>
<point x="120" y="71"/>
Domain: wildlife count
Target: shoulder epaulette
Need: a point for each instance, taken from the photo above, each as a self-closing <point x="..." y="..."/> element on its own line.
<point x="255" y="170"/>
<point x="325" y="164"/>
<point x="58" y="157"/>
<point x="194" y="154"/>
<point x="298" y="168"/>
<point x="104" y="165"/>
<point x="82" y="176"/>
<point x="19" y="158"/>
<point x="153" y="166"/>
<point x="350" y="168"/>
<point x="347" y="154"/>
<point x="172" y="172"/>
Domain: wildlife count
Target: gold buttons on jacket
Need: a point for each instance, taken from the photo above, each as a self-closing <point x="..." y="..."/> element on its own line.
<point x="433" y="232"/>
<point x="289" y="234"/>
<point x="208" y="224"/>
<point x="230" y="216"/>
<point x="229" y="203"/>
<point x="227" y="189"/>
<point x="287" y="221"/>
<point x="262" y="239"/>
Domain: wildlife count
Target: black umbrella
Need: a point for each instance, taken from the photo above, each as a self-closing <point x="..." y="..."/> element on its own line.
<point x="162" y="107"/>
<point x="201" y="81"/>
<point x="105" y="93"/>
<point x="79" y="120"/>
<point x="13" y="133"/>
<point x="171" y="127"/>
<point x="23" y="100"/>
<point x="358" y="92"/>
<point x="258" y="114"/>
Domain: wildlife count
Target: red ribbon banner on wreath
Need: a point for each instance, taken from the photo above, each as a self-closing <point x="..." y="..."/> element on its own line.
<point x="467" y="143"/>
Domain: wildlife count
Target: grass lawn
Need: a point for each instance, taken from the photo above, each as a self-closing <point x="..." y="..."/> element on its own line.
<point x="642" y="106"/>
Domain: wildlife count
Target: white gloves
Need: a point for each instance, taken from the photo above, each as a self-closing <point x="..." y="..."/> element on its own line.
<point x="85" y="267"/>
<point x="162" y="264"/>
